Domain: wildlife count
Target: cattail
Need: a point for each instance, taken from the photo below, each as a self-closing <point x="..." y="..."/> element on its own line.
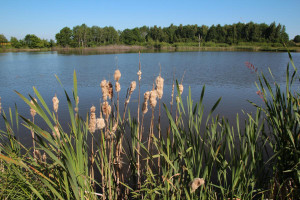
<point x="56" y="133"/>
<point x="139" y="73"/>
<point x="180" y="88"/>
<point x="44" y="157"/>
<point x="106" y="108"/>
<point x="33" y="111"/>
<point x="117" y="75"/>
<point x="92" y="125"/>
<point x="55" y="103"/>
<point x="110" y="90"/>
<point x="153" y="101"/>
<point x="100" y="124"/>
<point x="0" y="105"/>
<point x="118" y="87"/>
<point x="145" y="104"/>
<point x="132" y="87"/>
<point x="197" y="182"/>
<point x="159" y="86"/>
<point x="172" y="95"/>
<point x="104" y="89"/>
<point x="114" y="128"/>
<point x="37" y="154"/>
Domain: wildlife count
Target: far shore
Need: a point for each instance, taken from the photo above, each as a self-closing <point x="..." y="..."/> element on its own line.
<point x="137" y="48"/>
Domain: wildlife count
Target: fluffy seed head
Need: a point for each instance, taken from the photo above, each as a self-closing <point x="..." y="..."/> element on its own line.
<point x="117" y="75"/>
<point x="106" y="108"/>
<point x="55" y="103"/>
<point x="56" y="133"/>
<point x="159" y="86"/>
<point x="110" y="90"/>
<point x="118" y="87"/>
<point x="197" y="182"/>
<point x="139" y="73"/>
<point x="132" y="86"/>
<point x="92" y="125"/>
<point x="37" y="154"/>
<point x="100" y="123"/>
<point x="104" y="89"/>
<point x="33" y="111"/>
<point x="145" y="104"/>
<point x="153" y="96"/>
<point x="44" y="157"/>
<point x="180" y="88"/>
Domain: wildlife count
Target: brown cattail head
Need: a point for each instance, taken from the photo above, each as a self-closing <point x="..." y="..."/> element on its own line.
<point x="117" y="75"/>
<point x="104" y="89"/>
<point x="132" y="87"/>
<point x="145" y="104"/>
<point x="159" y="86"/>
<point x="197" y="182"/>
<point x="106" y="108"/>
<point x="44" y="157"/>
<point x="110" y="90"/>
<point x="100" y="123"/>
<point x="55" y="103"/>
<point x="92" y="125"/>
<point x="56" y="133"/>
<point x="37" y="154"/>
<point x="77" y="100"/>
<point x="33" y="111"/>
<point x="139" y="73"/>
<point x="153" y="96"/>
<point x="180" y="88"/>
<point x="118" y="87"/>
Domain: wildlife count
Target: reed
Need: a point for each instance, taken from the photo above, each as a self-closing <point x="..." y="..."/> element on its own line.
<point x="201" y="157"/>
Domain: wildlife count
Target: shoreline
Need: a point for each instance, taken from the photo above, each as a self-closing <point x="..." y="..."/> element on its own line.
<point x="148" y="49"/>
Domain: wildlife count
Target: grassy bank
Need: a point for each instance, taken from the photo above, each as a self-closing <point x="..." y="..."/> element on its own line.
<point x="108" y="154"/>
<point x="166" y="47"/>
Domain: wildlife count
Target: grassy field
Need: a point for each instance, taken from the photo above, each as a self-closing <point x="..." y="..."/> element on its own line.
<point x="108" y="154"/>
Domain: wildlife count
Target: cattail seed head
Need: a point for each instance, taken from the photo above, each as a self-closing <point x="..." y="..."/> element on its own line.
<point x="180" y="88"/>
<point x="197" y="182"/>
<point x="117" y="75"/>
<point x="44" y="157"/>
<point x="104" y="89"/>
<point x="110" y="90"/>
<point x="159" y="86"/>
<point x="118" y="87"/>
<point x="55" y="103"/>
<point x="33" y="111"/>
<point x="139" y="73"/>
<point x="92" y="125"/>
<point x="100" y="123"/>
<point x="132" y="86"/>
<point x="153" y="96"/>
<point x="145" y="104"/>
<point x="37" y="154"/>
<point x="106" y="108"/>
<point x="0" y="105"/>
<point x="56" y="133"/>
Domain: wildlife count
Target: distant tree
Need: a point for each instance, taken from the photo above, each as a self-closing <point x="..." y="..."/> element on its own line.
<point x="32" y="41"/>
<point x="15" y="42"/>
<point x="297" y="39"/>
<point x="212" y="34"/>
<point x="63" y="38"/>
<point x="3" y="39"/>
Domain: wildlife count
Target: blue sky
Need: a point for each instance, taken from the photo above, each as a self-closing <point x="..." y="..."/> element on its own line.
<point x="46" y="18"/>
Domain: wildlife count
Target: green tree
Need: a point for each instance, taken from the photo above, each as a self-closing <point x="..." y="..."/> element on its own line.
<point x="3" y="39"/>
<point x="15" y="42"/>
<point x="64" y="37"/>
<point x="297" y="39"/>
<point x="32" y="41"/>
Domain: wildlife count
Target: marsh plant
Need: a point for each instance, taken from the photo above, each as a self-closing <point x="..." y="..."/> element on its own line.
<point x="198" y="156"/>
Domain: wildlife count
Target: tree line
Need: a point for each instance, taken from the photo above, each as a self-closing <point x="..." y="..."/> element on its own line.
<point x="84" y="36"/>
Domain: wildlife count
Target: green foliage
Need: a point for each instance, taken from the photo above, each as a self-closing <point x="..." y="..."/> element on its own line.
<point x="64" y="37"/>
<point x="3" y="39"/>
<point x="15" y="42"/>
<point x="297" y="39"/>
